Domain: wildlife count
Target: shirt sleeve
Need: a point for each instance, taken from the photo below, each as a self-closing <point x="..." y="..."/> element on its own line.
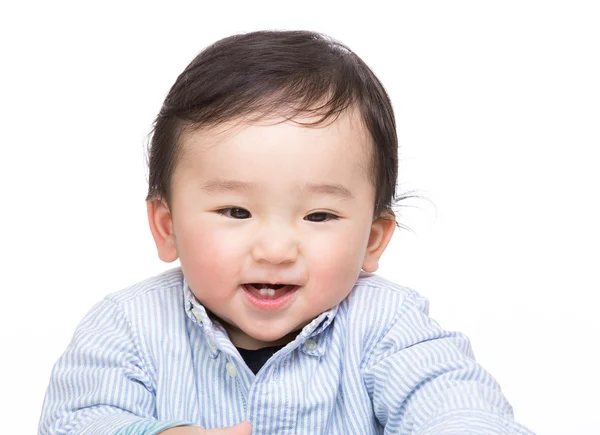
<point x="423" y="380"/>
<point x="101" y="384"/>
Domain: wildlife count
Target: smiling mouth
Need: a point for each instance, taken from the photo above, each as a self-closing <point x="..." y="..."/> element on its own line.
<point x="269" y="291"/>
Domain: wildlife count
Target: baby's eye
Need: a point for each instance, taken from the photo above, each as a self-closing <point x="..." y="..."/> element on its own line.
<point x="321" y="217"/>
<point x="235" y="212"/>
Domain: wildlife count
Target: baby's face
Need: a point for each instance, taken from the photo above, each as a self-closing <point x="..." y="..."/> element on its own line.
<point x="273" y="204"/>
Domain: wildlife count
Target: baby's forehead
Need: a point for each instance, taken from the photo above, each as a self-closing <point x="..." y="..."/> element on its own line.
<point x="331" y="144"/>
<point x="347" y="123"/>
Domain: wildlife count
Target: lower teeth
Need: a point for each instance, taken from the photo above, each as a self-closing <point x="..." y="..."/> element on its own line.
<point x="267" y="292"/>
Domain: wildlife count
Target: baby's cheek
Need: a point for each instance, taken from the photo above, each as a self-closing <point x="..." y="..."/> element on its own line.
<point x="212" y="255"/>
<point x="335" y="265"/>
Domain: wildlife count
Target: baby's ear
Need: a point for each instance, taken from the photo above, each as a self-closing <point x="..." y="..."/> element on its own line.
<point x="382" y="230"/>
<point x="161" y="226"/>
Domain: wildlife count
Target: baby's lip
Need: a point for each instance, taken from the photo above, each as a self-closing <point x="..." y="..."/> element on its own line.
<point x="268" y="283"/>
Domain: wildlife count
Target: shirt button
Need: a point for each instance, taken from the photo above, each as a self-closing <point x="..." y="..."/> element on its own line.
<point x="310" y="345"/>
<point x="210" y="342"/>
<point x="231" y="370"/>
<point x="196" y="314"/>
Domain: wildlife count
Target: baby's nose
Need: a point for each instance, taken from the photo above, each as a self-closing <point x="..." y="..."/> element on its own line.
<point x="276" y="245"/>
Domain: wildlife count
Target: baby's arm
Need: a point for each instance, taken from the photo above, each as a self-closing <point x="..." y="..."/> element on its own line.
<point x="101" y="385"/>
<point x="424" y="380"/>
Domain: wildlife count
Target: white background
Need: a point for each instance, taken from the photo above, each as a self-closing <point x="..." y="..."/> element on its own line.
<point x="498" y="109"/>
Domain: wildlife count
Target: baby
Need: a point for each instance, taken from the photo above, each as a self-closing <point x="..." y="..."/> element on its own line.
<point x="272" y="175"/>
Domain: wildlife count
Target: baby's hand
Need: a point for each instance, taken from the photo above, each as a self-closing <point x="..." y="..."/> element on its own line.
<point x="243" y="428"/>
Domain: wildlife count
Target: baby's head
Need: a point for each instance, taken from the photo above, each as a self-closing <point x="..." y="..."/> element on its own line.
<point x="272" y="175"/>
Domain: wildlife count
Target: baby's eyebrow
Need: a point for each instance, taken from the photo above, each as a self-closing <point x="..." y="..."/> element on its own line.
<point x="225" y="185"/>
<point x="330" y="189"/>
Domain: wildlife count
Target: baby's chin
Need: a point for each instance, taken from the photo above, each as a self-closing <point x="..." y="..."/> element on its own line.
<point x="257" y="338"/>
<point x="253" y="340"/>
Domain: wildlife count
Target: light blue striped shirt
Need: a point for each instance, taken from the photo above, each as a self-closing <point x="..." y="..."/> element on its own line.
<point x="148" y="358"/>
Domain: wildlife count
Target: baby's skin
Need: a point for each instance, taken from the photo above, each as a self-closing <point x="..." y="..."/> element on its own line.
<point x="243" y="428"/>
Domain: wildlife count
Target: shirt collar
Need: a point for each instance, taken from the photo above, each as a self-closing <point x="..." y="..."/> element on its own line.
<point x="196" y="311"/>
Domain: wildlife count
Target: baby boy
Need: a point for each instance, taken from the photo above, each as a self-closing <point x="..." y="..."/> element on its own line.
<point x="272" y="176"/>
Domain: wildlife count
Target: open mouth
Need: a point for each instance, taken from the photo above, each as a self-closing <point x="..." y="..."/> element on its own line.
<point x="269" y="291"/>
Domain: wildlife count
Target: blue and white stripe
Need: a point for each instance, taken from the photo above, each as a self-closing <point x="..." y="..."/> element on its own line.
<point x="149" y="358"/>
